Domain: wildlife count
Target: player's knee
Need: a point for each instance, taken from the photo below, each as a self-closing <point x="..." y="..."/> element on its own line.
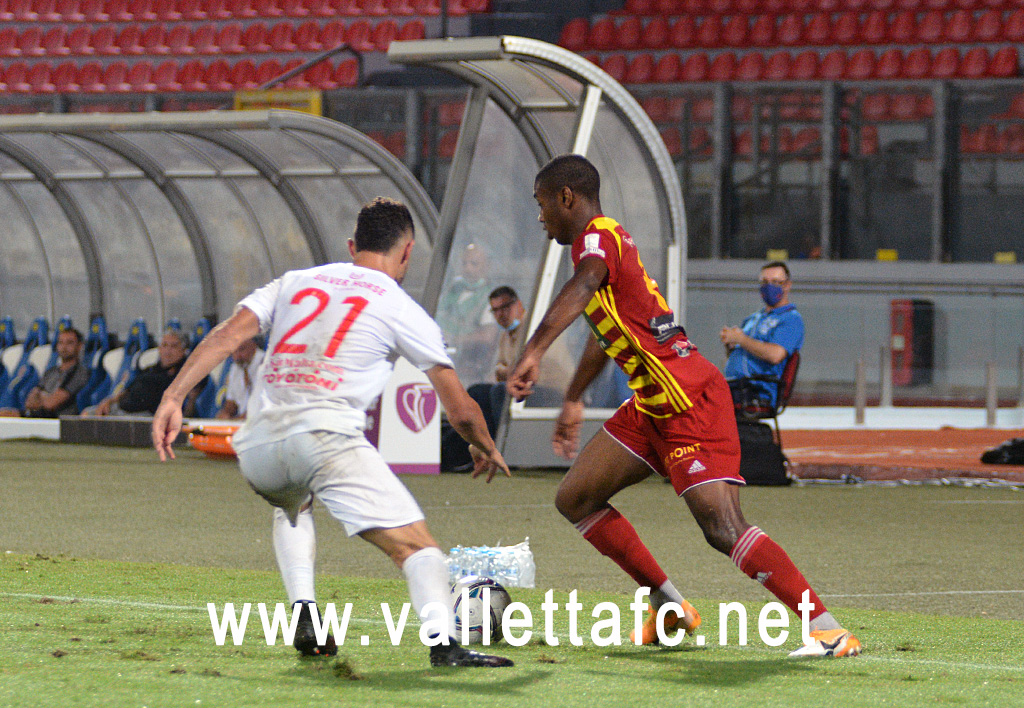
<point x="571" y="504"/>
<point x="720" y="535"/>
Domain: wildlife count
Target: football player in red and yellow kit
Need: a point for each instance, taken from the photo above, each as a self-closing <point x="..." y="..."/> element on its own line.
<point x="679" y="422"/>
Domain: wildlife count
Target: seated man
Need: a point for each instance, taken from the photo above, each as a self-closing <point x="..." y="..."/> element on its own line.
<point x="245" y="361"/>
<point x="55" y="394"/>
<point x="765" y="340"/>
<point x="142" y="395"/>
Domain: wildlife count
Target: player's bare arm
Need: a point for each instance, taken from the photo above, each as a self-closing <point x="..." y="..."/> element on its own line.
<point x="568" y="305"/>
<point x="465" y="416"/>
<point x="769" y="351"/>
<point x="215" y="348"/>
<point x="565" y="440"/>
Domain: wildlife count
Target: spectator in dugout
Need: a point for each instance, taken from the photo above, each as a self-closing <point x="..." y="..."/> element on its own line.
<point x="766" y="339"/>
<point x="245" y="361"/>
<point x="55" y="394"/>
<point x="142" y="395"/>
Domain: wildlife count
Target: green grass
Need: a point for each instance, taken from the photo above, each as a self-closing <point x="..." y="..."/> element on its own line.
<point x="107" y="561"/>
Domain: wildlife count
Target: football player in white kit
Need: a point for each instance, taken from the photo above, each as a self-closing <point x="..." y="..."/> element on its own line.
<point x="334" y="334"/>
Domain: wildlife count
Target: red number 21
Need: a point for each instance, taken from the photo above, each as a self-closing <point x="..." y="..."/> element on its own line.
<point x="357" y="304"/>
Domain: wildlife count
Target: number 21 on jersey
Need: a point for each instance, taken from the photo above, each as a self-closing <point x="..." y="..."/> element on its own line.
<point x="356" y="304"/>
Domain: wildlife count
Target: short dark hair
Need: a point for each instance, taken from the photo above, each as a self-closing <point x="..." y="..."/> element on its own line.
<point x="777" y="264"/>
<point x="78" y="335"/>
<point x="573" y="171"/>
<point x="380" y="225"/>
<point x="503" y="291"/>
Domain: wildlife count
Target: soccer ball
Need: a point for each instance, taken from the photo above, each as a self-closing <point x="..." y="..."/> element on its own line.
<point x="474" y="607"/>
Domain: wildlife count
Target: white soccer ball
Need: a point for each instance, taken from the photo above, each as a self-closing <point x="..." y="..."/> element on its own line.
<point x="469" y="607"/>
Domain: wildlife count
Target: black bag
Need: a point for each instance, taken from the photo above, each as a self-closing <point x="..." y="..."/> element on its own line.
<point x="761" y="460"/>
<point x="1010" y="452"/>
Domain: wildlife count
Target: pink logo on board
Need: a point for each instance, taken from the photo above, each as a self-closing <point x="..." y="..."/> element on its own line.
<point x="416" y="403"/>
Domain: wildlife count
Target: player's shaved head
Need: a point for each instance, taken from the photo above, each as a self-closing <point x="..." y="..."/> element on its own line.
<point x="381" y="224"/>
<point x="573" y="171"/>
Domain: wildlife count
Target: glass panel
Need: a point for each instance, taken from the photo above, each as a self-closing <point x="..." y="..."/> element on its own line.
<point x="241" y="262"/>
<point x="284" y="238"/>
<point x="110" y="160"/>
<point x="57" y="155"/>
<point x="24" y="286"/>
<point x="340" y="156"/>
<point x="130" y="277"/>
<point x="334" y="206"/>
<point x="10" y="168"/>
<point x="282" y="150"/>
<point x="526" y="86"/>
<point x="70" y="285"/>
<point x="169" y="152"/>
<point x="175" y="256"/>
<point x="222" y="158"/>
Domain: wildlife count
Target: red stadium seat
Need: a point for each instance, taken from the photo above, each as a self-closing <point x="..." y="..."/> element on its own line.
<point x="903" y="106"/>
<point x="695" y="68"/>
<point x="742" y="109"/>
<point x="776" y="8"/>
<point x="846" y="29"/>
<point x="45" y="11"/>
<point x="819" y="30"/>
<point x="667" y="7"/>
<point x="574" y="34"/>
<point x="778" y="67"/>
<point x="104" y="41"/>
<point x="790" y="31"/>
<point x="693" y="8"/>
<point x="601" y="35"/>
<point x="267" y="71"/>
<point x="917" y="64"/>
<point x="217" y="76"/>
<point x="723" y="67"/>
<point x="30" y="43"/>
<point x="802" y="7"/>
<point x="321" y="76"/>
<point x="450" y="113"/>
<point x="627" y="34"/>
<point x="938" y="5"/>
<point x="748" y="7"/>
<point x="988" y="27"/>
<point x="946" y="63"/>
<point x="804" y="66"/>
<point x="254" y="38"/>
<point x="709" y="34"/>
<point x="152" y="40"/>
<point x="229" y="39"/>
<point x="165" y="76"/>
<point x="78" y="41"/>
<point x="638" y="7"/>
<point x="115" y="77"/>
<point x="833" y="66"/>
<point x="1005" y="63"/>
<point x="909" y="5"/>
<point x="55" y="42"/>
<point x="190" y="76"/>
<point x="974" y="64"/>
<point x="140" y="77"/>
<point x="216" y="9"/>
<point x="890" y="64"/>
<point x="720" y="7"/>
<point x="861" y="65"/>
<point x="347" y="73"/>
<point x="204" y="39"/>
<point x="734" y="31"/>
<point x="307" y="37"/>
<point x="413" y="29"/>
<point x="243" y="75"/>
<point x="332" y="34"/>
<point x="129" y="40"/>
<point x="656" y="108"/>
<point x="92" y="11"/>
<point x="242" y="9"/>
<point x="266" y="8"/>
<point x="683" y="33"/>
<point x="874" y="29"/>
<point x="9" y="42"/>
<point x="179" y="40"/>
<point x="640" y="69"/>
<point x="69" y="11"/>
<point x="959" y="27"/>
<point x="925" y="106"/>
<point x="38" y="78"/>
<point x="65" y="78"/>
<point x="902" y="29"/>
<point x="829" y="7"/>
<point x="1013" y="28"/>
<point x="378" y="8"/>
<point x="806" y="142"/>
<point x="703" y="110"/>
<point x="359" y="36"/>
<point x="762" y="32"/>
<point x="615" y="66"/>
<point x="655" y="34"/>
<point x="117" y="11"/>
<point x="293" y="8"/>
<point x="673" y="141"/>
<point x="994" y="4"/>
<point x="883" y="5"/>
<point x="667" y="69"/>
<point x="21" y="11"/>
<point x="751" y="67"/>
<point x="191" y="10"/>
<point x="968" y="5"/>
<point x="280" y="37"/>
<point x="297" y="81"/>
<point x="856" y="6"/>
<point x="16" y="77"/>
<point x="929" y="28"/>
<point x="401" y="8"/>
<point x="167" y="10"/>
<point x="875" y="107"/>
<point x="742" y="142"/>
<point x="384" y="34"/>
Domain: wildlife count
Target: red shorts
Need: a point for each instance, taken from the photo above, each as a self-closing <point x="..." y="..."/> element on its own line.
<point x="695" y="447"/>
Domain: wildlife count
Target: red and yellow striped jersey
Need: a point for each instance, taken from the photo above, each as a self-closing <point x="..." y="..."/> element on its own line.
<point x="633" y="323"/>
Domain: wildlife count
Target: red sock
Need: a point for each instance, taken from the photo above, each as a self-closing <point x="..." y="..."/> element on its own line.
<point x="764" y="560"/>
<point x="615" y="537"/>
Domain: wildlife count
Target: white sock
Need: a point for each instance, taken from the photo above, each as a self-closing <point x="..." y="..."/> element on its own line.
<point x="295" y="548"/>
<point x="666" y="593"/>
<point x="426" y="573"/>
<point x="823" y="621"/>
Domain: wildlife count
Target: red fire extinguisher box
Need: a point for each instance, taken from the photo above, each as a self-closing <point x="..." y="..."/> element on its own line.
<point x="912" y="341"/>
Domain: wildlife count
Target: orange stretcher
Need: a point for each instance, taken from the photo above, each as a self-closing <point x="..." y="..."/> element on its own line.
<point x="213" y="440"/>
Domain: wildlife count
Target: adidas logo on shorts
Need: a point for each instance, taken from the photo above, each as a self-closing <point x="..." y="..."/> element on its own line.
<point x="696" y="467"/>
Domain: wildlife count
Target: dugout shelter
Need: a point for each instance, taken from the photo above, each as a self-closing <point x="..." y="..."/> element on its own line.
<point x="528" y="102"/>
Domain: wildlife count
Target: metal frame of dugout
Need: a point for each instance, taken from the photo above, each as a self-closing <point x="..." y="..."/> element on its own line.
<point x="530" y="101"/>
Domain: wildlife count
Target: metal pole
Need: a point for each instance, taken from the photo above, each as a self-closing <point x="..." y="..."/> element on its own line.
<point x="885" y="375"/>
<point x="860" y="395"/>
<point x="991" y="394"/>
<point x="444" y="19"/>
<point x="1020" y="377"/>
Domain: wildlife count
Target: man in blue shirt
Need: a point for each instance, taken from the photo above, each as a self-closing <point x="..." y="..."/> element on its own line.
<point x="766" y="339"/>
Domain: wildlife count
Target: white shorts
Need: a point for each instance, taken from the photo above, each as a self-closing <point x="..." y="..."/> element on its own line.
<point x="346" y="473"/>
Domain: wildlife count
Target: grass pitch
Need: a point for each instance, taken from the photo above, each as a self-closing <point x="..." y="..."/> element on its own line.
<point x="110" y="558"/>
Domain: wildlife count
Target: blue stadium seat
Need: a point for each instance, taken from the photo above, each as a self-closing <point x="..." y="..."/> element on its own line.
<point x="136" y="343"/>
<point x="7" y="339"/>
<point x="97" y="343"/>
<point x="202" y="328"/>
<point x="211" y="399"/>
<point x="173" y="323"/>
<point x="25" y="376"/>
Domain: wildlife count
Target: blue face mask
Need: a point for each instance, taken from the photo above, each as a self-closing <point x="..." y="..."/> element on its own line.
<point x="771" y="294"/>
<point x="512" y="325"/>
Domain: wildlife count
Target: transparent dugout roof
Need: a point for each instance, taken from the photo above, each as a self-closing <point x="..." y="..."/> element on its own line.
<point x="180" y="215"/>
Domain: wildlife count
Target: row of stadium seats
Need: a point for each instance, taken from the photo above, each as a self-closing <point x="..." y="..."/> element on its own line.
<point x="145" y="77"/>
<point x="197" y="10"/>
<point x="110" y="368"/>
<point x="800" y="7"/>
<point x="863" y="64"/>
<point x="207" y="39"/>
<point x="845" y="29"/>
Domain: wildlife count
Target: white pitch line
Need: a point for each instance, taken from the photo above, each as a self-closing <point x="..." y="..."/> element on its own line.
<point x="979" y="501"/>
<point x="932" y="592"/>
<point x="459" y="507"/>
<point x="940" y="662"/>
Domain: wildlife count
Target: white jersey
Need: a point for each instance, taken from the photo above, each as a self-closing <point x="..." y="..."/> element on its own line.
<point x="236" y="390"/>
<point x="335" y="333"/>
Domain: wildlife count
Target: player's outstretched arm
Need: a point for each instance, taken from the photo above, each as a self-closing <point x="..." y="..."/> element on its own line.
<point x="465" y="416"/>
<point x="568" y="305"/>
<point x="215" y="348"/>
<point x="565" y="440"/>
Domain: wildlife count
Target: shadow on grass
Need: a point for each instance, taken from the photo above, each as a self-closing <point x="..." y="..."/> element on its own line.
<point x="480" y="682"/>
<point x="718" y="672"/>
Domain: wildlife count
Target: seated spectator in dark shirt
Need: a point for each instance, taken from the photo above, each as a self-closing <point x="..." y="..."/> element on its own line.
<point x="142" y="395"/>
<point x="55" y="394"/>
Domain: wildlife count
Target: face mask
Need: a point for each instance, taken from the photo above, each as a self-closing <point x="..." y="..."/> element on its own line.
<point x="512" y="325"/>
<point x="771" y="294"/>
